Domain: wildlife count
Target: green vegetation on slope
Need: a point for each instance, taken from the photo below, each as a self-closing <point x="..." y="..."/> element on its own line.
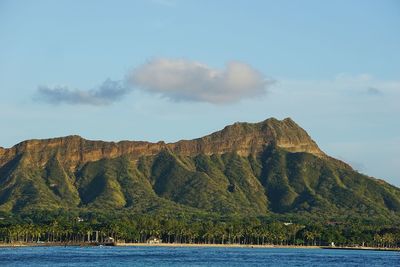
<point x="246" y="169"/>
<point x="275" y="181"/>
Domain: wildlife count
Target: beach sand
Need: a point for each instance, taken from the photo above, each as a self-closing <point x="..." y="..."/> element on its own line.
<point x="120" y="244"/>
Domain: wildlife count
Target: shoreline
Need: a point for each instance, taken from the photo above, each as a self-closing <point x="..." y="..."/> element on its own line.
<point x="250" y="246"/>
<point x="181" y="245"/>
<point x="209" y="245"/>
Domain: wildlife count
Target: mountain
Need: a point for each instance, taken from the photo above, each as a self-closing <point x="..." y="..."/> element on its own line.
<point x="246" y="168"/>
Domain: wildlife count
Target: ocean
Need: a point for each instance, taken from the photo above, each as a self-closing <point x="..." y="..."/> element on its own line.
<point x="192" y="256"/>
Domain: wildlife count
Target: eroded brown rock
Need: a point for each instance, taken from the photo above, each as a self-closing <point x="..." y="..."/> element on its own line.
<point x="242" y="138"/>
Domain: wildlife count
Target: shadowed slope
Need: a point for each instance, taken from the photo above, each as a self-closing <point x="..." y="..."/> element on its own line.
<point x="246" y="168"/>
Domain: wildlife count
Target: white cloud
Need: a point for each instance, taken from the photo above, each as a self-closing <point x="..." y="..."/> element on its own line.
<point x="180" y="80"/>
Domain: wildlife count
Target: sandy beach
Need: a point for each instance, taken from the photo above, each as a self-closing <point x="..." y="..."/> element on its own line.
<point x="250" y="246"/>
<point x="210" y="245"/>
<point x="120" y="244"/>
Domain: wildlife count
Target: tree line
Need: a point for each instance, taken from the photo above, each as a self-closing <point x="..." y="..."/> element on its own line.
<point x="248" y="231"/>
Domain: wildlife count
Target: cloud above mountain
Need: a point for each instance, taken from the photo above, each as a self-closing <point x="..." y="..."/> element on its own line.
<point x="105" y="94"/>
<point x="174" y="79"/>
<point x="185" y="80"/>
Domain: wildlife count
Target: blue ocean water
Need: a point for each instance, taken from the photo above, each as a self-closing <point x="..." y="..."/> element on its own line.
<point x="192" y="256"/>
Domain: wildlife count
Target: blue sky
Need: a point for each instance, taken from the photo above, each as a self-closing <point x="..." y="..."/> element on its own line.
<point x="331" y="66"/>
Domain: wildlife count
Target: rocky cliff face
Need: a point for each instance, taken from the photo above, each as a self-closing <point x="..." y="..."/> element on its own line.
<point x="242" y="138"/>
<point x="251" y="138"/>
<point x="246" y="168"/>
